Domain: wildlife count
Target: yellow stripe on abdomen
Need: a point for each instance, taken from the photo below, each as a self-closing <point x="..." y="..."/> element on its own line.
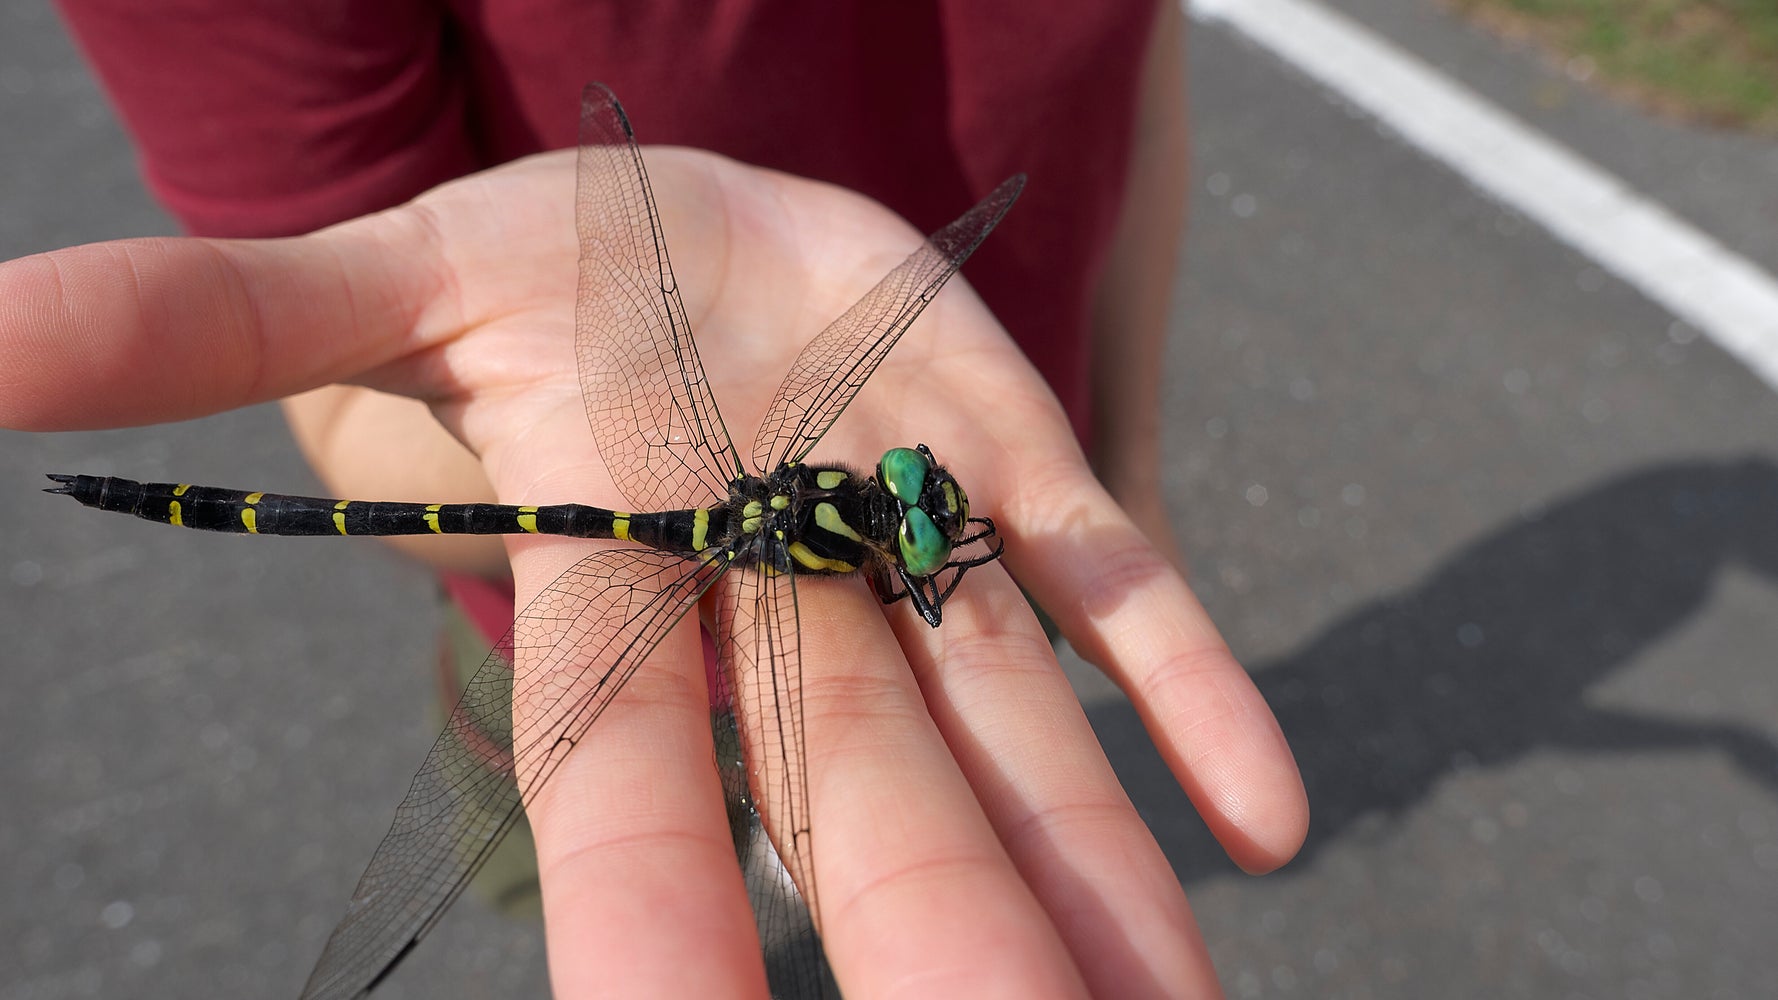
<point x="176" y="513"/>
<point x="339" y="516"/>
<point x="803" y="554"/>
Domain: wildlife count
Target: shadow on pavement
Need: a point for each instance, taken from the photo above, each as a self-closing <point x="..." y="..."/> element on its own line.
<point x="1492" y="657"/>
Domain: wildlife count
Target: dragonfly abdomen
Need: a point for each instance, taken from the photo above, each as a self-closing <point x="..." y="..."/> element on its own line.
<point x="211" y="508"/>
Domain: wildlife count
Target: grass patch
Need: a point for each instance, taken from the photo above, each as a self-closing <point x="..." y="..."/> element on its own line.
<point x="1714" y="61"/>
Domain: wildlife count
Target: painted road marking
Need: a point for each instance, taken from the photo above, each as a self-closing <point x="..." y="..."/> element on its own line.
<point x="1697" y="279"/>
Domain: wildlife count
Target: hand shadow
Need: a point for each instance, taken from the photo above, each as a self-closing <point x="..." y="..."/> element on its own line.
<point x="1493" y="655"/>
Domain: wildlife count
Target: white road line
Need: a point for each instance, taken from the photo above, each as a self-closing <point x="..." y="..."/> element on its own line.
<point x="1670" y="261"/>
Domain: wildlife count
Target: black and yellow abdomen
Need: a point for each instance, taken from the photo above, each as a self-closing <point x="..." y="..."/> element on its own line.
<point x="802" y="518"/>
<point x="210" y="508"/>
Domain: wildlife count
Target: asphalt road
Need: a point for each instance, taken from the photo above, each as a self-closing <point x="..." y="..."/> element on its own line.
<point x="1494" y="535"/>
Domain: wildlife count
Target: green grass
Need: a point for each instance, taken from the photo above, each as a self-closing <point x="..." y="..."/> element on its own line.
<point x="1709" y="60"/>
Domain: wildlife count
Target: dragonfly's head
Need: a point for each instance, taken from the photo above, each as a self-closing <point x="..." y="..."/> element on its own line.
<point x="934" y="509"/>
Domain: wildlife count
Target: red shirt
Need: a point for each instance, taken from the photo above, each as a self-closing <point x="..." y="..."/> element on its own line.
<point x="268" y="118"/>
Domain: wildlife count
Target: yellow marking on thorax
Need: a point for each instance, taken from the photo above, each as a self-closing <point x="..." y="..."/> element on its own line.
<point x="828" y="516"/>
<point x="830" y="479"/>
<point x="339" y="516"/>
<point x="431" y="518"/>
<point x="803" y="554"/>
<point x="780" y="502"/>
<point x="620" y="525"/>
<point x="175" y="517"/>
<point x="950" y="496"/>
<point x="750" y="516"/>
<point x="700" y="528"/>
<point x="249" y="517"/>
<point x="528" y="519"/>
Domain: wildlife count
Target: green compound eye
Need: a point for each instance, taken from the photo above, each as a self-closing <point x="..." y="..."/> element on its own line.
<point x="923" y="545"/>
<point x="924" y="549"/>
<point x="903" y="473"/>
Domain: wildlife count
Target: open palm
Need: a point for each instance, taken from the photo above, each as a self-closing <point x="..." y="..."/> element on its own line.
<point x="970" y="837"/>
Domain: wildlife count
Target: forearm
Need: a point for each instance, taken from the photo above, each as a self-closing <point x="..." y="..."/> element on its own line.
<point x="1134" y="298"/>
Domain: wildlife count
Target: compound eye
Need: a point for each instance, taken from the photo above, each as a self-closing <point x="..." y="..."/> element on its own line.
<point x="924" y="549"/>
<point x="903" y="473"/>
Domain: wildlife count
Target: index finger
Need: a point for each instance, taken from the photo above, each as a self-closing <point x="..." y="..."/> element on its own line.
<point x="1123" y="606"/>
<point x="1128" y="611"/>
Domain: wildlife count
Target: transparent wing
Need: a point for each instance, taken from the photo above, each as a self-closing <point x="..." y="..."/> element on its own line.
<point x="836" y="364"/>
<point x="647" y="399"/>
<point x="761" y="666"/>
<point x="575" y="645"/>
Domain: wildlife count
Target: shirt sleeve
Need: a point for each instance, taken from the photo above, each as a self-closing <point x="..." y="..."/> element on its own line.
<point x="266" y="118"/>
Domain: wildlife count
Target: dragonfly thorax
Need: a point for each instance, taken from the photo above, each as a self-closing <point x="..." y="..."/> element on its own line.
<point x="810" y="519"/>
<point x="829" y="519"/>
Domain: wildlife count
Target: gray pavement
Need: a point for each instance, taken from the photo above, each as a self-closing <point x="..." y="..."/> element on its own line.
<point x="1493" y="534"/>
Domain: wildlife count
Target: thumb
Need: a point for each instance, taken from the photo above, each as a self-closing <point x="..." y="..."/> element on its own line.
<point x="143" y="331"/>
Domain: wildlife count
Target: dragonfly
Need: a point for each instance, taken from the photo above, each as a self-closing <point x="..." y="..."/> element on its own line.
<point x="700" y="522"/>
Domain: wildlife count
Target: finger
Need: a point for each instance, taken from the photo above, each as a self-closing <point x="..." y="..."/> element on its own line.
<point x="641" y="892"/>
<point x="917" y="896"/>
<point x="138" y="331"/>
<point x="1017" y="731"/>
<point x="1130" y="613"/>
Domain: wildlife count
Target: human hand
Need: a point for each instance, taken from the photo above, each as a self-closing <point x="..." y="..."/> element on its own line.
<point x="968" y="829"/>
